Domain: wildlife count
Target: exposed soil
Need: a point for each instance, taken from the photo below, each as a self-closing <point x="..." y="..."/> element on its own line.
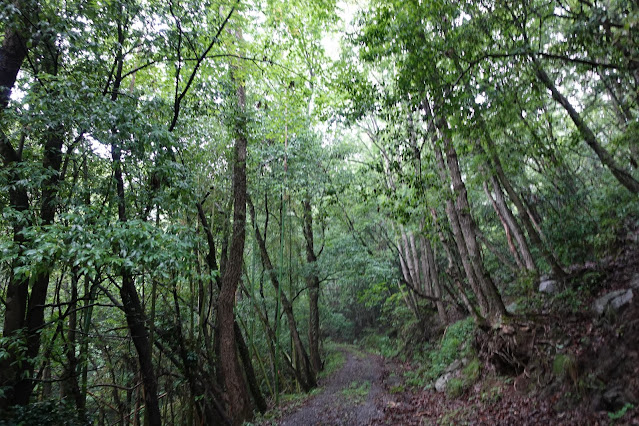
<point x="600" y="386"/>
<point x="344" y="400"/>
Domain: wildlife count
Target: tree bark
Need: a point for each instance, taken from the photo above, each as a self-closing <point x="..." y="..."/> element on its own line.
<point x="313" y="284"/>
<point x="496" y="305"/>
<point x="455" y="226"/>
<point x="521" y="208"/>
<point x="504" y="224"/>
<point x="241" y="344"/>
<point x="308" y="375"/>
<point x="239" y="408"/>
<point x="623" y="176"/>
<point x="453" y="271"/>
<point x="24" y="309"/>
<point x="131" y="303"/>
<point x="428" y="254"/>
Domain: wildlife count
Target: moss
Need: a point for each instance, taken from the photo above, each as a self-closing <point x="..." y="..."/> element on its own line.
<point x="455" y="387"/>
<point x="472" y="371"/>
<point x="564" y="367"/>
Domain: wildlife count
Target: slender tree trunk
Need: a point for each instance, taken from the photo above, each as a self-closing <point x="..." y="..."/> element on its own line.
<point x="623" y="176"/>
<point x="241" y="344"/>
<point x="521" y="208"/>
<point x="12" y="54"/>
<point x="454" y="272"/>
<point x="310" y="380"/>
<point x="313" y="284"/>
<point x="408" y="259"/>
<point x="131" y="303"/>
<point x="504" y="224"/>
<point x="467" y="224"/>
<point x="70" y="386"/>
<point x="24" y="310"/>
<point x="420" y="275"/>
<point x="455" y="226"/>
<point x="428" y="254"/>
<point x="522" y="244"/>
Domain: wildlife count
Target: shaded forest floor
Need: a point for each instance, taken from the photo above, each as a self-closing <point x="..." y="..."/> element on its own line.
<point x="576" y="368"/>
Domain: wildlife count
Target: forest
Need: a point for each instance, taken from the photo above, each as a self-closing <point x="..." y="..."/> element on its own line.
<point x="232" y="211"/>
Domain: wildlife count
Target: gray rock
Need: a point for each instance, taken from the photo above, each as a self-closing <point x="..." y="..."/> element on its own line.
<point x="634" y="282"/>
<point x="456" y="365"/>
<point x="440" y="384"/>
<point x="548" y="286"/>
<point x="512" y="308"/>
<point x="614" y="300"/>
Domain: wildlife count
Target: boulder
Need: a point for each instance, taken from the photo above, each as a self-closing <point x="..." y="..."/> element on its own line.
<point x="512" y="308"/>
<point x="613" y="300"/>
<point x="440" y="384"/>
<point x="548" y="286"/>
<point x="451" y="371"/>
<point x="456" y="365"/>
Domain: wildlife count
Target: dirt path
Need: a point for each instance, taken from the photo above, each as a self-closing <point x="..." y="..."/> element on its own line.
<point x="355" y="395"/>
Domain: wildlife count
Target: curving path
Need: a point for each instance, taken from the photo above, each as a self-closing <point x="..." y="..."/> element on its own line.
<point x="344" y="400"/>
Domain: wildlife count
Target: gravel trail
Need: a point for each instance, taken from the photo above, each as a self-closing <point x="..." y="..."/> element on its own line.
<point x="344" y="400"/>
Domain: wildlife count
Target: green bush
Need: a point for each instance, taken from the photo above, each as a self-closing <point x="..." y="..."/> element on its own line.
<point x="380" y="344"/>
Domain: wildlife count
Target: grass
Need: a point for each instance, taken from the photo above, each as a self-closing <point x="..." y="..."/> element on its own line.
<point x="334" y="358"/>
<point x="357" y="392"/>
<point x="433" y="361"/>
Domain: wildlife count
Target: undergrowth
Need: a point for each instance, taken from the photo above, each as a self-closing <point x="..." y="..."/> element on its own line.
<point x="380" y="345"/>
<point x="334" y="358"/>
<point x="435" y="358"/>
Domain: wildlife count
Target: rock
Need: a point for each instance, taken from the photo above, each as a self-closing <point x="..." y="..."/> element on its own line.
<point x="615" y="398"/>
<point x="634" y="282"/>
<point x="440" y="384"/>
<point x="456" y="365"/>
<point x="512" y="308"/>
<point x="548" y="286"/>
<point x="614" y="300"/>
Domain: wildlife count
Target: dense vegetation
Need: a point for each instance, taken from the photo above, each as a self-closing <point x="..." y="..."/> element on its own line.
<point x="196" y="195"/>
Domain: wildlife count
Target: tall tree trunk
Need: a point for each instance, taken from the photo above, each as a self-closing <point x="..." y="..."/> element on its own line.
<point x="12" y="54"/>
<point x="239" y="408"/>
<point x="468" y="230"/>
<point x="623" y="176"/>
<point x="521" y="208"/>
<point x="241" y="344"/>
<point x="310" y="381"/>
<point x="455" y="226"/>
<point x="24" y="310"/>
<point x="427" y="250"/>
<point x="522" y="244"/>
<point x="408" y="259"/>
<point x="420" y="275"/>
<point x="453" y="271"/>
<point x="131" y="304"/>
<point x="504" y="224"/>
<point x="70" y="386"/>
<point x="313" y="284"/>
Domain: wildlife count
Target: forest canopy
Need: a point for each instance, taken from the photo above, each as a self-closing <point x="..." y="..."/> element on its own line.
<point x="198" y="194"/>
